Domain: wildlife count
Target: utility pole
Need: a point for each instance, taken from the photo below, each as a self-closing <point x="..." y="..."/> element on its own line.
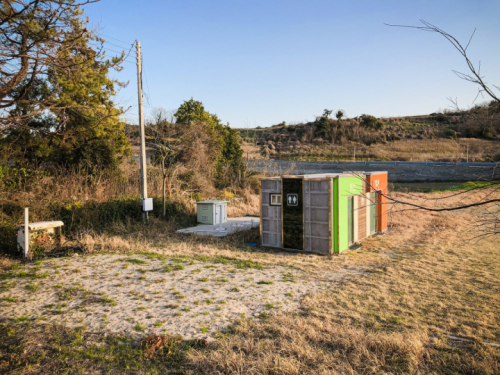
<point x="144" y="180"/>
<point x="164" y="175"/>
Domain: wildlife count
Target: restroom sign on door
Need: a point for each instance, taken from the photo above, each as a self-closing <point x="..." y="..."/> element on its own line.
<point x="292" y="199"/>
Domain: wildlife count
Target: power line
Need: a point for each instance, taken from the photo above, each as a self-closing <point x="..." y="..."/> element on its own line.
<point x="125" y="58"/>
<point x="150" y="102"/>
<point x="117" y="39"/>
<point x="116" y="45"/>
<point x="129" y="47"/>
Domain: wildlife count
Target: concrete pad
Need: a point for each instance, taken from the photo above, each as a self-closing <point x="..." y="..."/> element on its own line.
<point x="232" y="225"/>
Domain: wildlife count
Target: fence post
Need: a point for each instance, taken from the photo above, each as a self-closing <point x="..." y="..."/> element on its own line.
<point x="26" y="232"/>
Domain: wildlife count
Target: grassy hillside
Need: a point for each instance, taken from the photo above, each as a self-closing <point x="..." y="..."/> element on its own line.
<point x="419" y="138"/>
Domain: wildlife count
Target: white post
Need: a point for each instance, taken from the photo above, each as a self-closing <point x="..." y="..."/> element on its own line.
<point x="26" y="232"/>
<point x="144" y="181"/>
<point x="220" y="216"/>
<point x="355" y="154"/>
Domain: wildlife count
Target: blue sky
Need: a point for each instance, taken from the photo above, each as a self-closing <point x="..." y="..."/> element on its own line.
<point x="257" y="63"/>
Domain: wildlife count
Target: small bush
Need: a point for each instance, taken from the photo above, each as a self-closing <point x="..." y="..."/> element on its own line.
<point x="450" y="133"/>
<point x="8" y="238"/>
<point x="371" y="122"/>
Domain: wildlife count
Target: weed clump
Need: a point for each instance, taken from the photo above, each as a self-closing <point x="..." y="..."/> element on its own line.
<point x="134" y="261"/>
<point x="264" y="282"/>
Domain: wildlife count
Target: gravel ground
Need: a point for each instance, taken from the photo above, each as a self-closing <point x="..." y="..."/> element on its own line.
<point x="137" y="294"/>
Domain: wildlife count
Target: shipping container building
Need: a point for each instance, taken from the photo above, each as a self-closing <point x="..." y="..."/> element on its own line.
<point x="322" y="213"/>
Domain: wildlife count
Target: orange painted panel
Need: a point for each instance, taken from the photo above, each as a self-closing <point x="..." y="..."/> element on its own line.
<point x="379" y="183"/>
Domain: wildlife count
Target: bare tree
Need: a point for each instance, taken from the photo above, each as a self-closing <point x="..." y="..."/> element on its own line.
<point x="178" y="147"/>
<point x="160" y="129"/>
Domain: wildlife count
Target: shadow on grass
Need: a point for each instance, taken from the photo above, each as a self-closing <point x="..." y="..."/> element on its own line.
<point x="54" y="349"/>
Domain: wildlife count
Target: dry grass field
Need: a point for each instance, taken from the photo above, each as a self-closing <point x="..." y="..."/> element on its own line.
<point x="409" y="290"/>
<point x="444" y="150"/>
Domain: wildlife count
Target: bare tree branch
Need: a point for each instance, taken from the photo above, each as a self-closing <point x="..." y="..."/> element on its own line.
<point x="475" y="76"/>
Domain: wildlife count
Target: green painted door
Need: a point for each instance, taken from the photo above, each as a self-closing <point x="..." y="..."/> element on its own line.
<point x="373" y="212"/>
<point x="350" y="218"/>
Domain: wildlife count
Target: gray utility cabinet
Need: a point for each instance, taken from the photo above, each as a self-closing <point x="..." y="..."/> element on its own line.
<point x="208" y="212"/>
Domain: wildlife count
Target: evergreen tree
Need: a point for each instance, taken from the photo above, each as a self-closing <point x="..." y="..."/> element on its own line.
<point x="323" y="125"/>
<point x="81" y="125"/>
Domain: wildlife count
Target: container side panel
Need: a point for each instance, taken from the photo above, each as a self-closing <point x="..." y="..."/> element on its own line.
<point x="277" y="214"/>
<point x="373" y="212"/>
<point x="383" y="211"/>
<point x="330" y="217"/>
<point x="270" y="215"/>
<point x="361" y="217"/>
<point x="356" y="217"/>
<point x="383" y="202"/>
<point x="336" y="215"/>
<point x="368" y="211"/>
<point x="319" y="199"/>
<point x="307" y="215"/>
<point x="316" y="216"/>
<point x="320" y="244"/>
<point x="293" y="213"/>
